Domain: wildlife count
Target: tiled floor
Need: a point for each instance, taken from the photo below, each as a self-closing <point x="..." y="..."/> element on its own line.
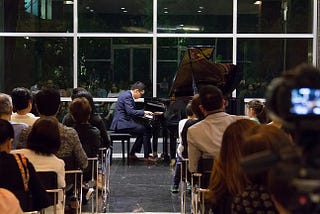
<point x="140" y="188"/>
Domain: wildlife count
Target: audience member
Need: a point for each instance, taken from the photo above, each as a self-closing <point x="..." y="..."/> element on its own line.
<point x="124" y="120"/>
<point x="18" y="175"/>
<point x="179" y="161"/>
<point x="43" y="142"/>
<point x="255" y="197"/>
<point x="204" y="137"/>
<point x="175" y="113"/>
<point x="47" y="101"/>
<point x="6" y="109"/>
<point x="89" y="135"/>
<point x="22" y="105"/>
<point x="257" y="111"/>
<point x="9" y="204"/>
<point x="227" y="179"/>
<point x="94" y="118"/>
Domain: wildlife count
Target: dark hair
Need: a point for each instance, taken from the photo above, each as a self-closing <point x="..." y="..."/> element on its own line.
<point x="44" y="137"/>
<point x="263" y="138"/>
<point x="138" y="85"/>
<point x="88" y="96"/>
<point x="47" y="101"/>
<point x="188" y="110"/>
<point x="20" y="98"/>
<point x="6" y="131"/>
<point x="80" y="109"/>
<point x="259" y="109"/>
<point x="211" y="97"/>
<point x="195" y="102"/>
<point x="76" y="91"/>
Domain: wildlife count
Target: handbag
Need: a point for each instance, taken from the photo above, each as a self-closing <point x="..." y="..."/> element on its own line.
<point x="25" y="196"/>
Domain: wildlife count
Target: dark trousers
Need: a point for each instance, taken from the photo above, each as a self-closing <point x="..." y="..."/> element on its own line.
<point x="143" y="133"/>
<point x="177" y="171"/>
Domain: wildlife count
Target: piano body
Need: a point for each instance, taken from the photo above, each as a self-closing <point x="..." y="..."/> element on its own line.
<point x="195" y="70"/>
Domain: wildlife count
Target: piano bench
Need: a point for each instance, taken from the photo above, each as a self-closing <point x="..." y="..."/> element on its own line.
<point x="122" y="137"/>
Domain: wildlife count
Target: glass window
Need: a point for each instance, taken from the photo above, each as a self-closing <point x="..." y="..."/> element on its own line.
<point x="109" y="65"/>
<point x="131" y="16"/>
<point x="34" y="62"/>
<point x="261" y="60"/>
<point x="278" y="16"/>
<point x="175" y="48"/>
<point x="189" y="16"/>
<point x="36" y="16"/>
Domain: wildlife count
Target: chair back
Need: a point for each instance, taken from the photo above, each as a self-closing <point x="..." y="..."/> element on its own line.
<point x="49" y="179"/>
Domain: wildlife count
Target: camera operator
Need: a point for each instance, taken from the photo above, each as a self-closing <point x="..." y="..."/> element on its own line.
<point x="293" y="172"/>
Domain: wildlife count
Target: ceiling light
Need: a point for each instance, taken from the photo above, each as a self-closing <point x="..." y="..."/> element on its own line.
<point x="122" y="8"/>
<point x="199" y="11"/>
<point x="258" y="2"/>
<point x="165" y="12"/>
<point x="201" y="8"/>
<point x="125" y="11"/>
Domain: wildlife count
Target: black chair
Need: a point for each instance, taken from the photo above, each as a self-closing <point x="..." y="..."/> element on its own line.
<point x="123" y="138"/>
<point x="49" y="179"/>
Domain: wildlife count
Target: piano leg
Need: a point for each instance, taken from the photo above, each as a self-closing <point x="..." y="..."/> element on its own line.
<point x="155" y="136"/>
<point x="165" y="155"/>
<point x="173" y="133"/>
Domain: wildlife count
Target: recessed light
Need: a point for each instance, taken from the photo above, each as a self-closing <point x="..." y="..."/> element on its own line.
<point x="201" y="8"/>
<point x="199" y="11"/>
<point x="165" y="8"/>
<point x="125" y="11"/>
<point x="122" y="8"/>
<point x="165" y="12"/>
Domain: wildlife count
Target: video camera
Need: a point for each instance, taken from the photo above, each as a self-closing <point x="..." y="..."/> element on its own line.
<point x="294" y="100"/>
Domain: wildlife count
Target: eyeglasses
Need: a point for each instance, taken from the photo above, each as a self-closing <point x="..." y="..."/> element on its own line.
<point x="141" y="92"/>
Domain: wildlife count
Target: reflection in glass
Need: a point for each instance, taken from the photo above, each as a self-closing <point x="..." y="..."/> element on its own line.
<point x="175" y="48"/>
<point x="261" y="60"/>
<point x="134" y="16"/>
<point x="36" y="16"/>
<point x="36" y="62"/>
<point x="189" y="16"/>
<point x="279" y="16"/>
<point x="110" y="65"/>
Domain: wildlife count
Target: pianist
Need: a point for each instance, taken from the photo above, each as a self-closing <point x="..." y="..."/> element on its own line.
<point x="125" y="120"/>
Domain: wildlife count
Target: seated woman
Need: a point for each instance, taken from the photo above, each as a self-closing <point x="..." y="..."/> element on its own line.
<point x="227" y="179"/>
<point x="18" y="175"/>
<point x="43" y="142"/>
<point x="257" y="111"/>
<point x="255" y="197"/>
<point x="89" y="135"/>
<point x="94" y="119"/>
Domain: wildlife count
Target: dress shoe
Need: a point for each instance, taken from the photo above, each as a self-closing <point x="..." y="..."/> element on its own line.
<point x="150" y="160"/>
<point x="133" y="158"/>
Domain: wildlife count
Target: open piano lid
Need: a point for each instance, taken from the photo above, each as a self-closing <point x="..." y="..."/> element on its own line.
<point x="195" y="70"/>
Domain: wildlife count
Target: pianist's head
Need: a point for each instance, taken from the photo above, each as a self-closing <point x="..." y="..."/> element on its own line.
<point x="137" y="89"/>
<point x="211" y="99"/>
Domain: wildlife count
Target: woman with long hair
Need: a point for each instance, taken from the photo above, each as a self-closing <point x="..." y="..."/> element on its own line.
<point x="227" y="178"/>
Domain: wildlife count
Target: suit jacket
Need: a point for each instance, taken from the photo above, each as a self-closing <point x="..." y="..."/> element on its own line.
<point x="125" y="112"/>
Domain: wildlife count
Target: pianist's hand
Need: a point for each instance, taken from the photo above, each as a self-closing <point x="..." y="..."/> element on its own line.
<point x="148" y="113"/>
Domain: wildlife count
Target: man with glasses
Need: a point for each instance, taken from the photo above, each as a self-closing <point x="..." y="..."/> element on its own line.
<point x="125" y="120"/>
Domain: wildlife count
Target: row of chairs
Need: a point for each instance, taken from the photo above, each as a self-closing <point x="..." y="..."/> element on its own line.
<point x="198" y="181"/>
<point x="100" y="179"/>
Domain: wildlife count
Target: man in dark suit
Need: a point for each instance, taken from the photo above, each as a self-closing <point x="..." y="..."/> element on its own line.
<point x="125" y="120"/>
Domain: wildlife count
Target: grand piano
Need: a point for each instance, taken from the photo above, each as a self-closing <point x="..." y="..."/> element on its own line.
<point x="195" y="70"/>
